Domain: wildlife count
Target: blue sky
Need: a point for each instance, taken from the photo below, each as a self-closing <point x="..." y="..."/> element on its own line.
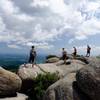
<point x="49" y="25"/>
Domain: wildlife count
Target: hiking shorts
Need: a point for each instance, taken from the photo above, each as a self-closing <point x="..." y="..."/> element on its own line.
<point x="64" y="57"/>
<point x="31" y="59"/>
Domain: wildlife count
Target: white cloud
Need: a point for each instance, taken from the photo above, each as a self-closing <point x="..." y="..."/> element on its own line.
<point x="48" y="20"/>
<point x="14" y="46"/>
<point x="40" y="3"/>
<point x="92" y="6"/>
<point x="2" y="25"/>
<point x="71" y="40"/>
<point x="88" y="28"/>
<point x="43" y="45"/>
<point x="8" y="7"/>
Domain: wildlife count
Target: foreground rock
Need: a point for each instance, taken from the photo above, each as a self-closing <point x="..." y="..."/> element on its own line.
<point x="29" y="73"/>
<point x="65" y="89"/>
<point x="88" y="80"/>
<point x="87" y="86"/>
<point x="18" y="97"/>
<point x="10" y="83"/>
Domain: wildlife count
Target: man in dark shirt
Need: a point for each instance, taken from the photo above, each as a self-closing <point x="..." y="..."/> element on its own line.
<point x="88" y="51"/>
<point x="75" y="52"/>
<point x="32" y="56"/>
<point x="64" y="55"/>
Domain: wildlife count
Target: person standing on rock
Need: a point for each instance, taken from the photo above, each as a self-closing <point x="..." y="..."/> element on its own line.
<point x="88" y="51"/>
<point x="75" y="52"/>
<point x="64" y="55"/>
<point x="32" y="57"/>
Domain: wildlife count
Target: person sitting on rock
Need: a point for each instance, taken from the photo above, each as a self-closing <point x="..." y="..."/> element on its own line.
<point x="88" y="51"/>
<point x="75" y="52"/>
<point x="32" y="56"/>
<point x="64" y="55"/>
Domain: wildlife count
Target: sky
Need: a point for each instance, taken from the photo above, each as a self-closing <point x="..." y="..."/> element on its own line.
<point x="49" y="25"/>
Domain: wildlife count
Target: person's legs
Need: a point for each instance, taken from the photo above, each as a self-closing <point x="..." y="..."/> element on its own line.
<point x="74" y="55"/>
<point x="32" y="61"/>
<point x="65" y="61"/>
<point x="89" y="54"/>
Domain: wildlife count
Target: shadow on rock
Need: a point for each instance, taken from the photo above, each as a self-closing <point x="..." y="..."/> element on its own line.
<point x="77" y="92"/>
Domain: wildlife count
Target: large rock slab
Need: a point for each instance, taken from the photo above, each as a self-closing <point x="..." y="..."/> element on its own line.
<point x="27" y="72"/>
<point x="65" y="89"/>
<point x="30" y="72"/>
<point x="73" y="67"/>
<point x="94" y="62"/>
<point x="10" y="83"/>
<point x="88" y="80"/>
<point x="61" y="90"/>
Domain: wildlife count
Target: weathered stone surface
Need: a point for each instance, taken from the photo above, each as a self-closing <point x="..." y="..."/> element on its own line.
<point x="18" y="97"/>
<point x="31" y="73"/>
<point x="10" y="83"/>
<point x="94" y="62"/>
<point x="28" y="74"/>
<point x="70" y="68"/>
<point x="65" y="89"/>
<point x="88" y="80"/>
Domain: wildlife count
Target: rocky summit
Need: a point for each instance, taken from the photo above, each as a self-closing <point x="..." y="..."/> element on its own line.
<point x="83" y="84"/>
<point x="79" y="79"/>
<point x="88" y="80"/>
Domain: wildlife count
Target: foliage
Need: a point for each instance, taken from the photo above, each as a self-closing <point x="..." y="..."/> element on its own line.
<point x="41" y="83"/>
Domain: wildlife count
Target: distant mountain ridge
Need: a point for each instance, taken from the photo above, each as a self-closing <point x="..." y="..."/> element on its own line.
<point x="12" y="61"/>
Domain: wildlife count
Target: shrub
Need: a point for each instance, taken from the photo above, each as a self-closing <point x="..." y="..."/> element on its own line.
<point x="41" y="83"/>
